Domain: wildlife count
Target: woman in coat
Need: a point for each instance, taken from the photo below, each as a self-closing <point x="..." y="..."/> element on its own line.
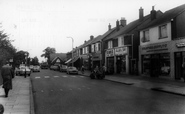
<point x="7" y="74"/>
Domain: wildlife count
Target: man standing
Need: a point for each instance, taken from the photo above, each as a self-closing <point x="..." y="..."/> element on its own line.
<point x="7" y="74"/>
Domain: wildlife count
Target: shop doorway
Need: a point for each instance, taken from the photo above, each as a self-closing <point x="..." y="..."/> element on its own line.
<point x="179" y="59"/>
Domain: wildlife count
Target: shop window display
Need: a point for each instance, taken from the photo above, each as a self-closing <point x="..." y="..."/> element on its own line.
<point x="146" y="64"/>
<point x="156" y="64"/>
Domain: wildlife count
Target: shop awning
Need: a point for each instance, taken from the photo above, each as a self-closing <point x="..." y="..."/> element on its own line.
<point x="75" y="59"/>
<point x="68" y="61"/>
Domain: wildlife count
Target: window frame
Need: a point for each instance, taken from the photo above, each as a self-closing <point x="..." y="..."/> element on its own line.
<point x="161" y="33"/>
<point x="110" y="44"/>
<point x="145" y="39"/>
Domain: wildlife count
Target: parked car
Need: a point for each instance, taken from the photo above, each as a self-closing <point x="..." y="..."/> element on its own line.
<point x="36" y="68"/>
<point x="63" y="68"/>
<point x="72" y="70"/>
<point x="44" y="66"/>
<point x="22" y="69"/>
<point x="31" y="67"/>
<point x="54" y="67"/>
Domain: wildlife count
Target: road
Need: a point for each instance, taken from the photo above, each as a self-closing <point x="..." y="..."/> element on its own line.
<point x="59" y="93"/>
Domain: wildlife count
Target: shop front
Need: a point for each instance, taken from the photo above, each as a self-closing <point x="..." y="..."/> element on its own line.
<point x="179" y="58"/>
<point x="85" y="61"/>
<point x="156" y="59"/>
<point x="163" y="59"/>
<point x="109" y="60"/>
<point x="121" y="55"/>
<point x="96" y="60"/>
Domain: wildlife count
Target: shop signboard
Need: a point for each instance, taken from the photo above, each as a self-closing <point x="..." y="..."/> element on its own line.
<point x="180" y="45"/>
<point x="121" y="51"/>
<point x="155" y="47"/>
<point x="110" y="53"/>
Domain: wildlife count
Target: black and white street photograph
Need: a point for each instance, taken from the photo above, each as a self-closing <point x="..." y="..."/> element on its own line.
<point x="92" y="57"/>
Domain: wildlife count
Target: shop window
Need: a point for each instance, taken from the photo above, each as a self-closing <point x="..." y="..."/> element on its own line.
<point x="163" y="31"/>
<point x="165" y="64"/>
<point x="146" y="64"/>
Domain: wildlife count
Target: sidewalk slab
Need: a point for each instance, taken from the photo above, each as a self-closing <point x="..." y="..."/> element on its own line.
<point x="18" y="101"/>
<point x="157" y="84"/>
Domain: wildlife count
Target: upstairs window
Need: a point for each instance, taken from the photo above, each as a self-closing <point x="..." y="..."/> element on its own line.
<point x="146" y="37"/>
<point x="110" y="44"/>
<point x="92" y="48"/>
<point x="83" y="51"/>
<point x="120" y="41"/>
<point x="163" y="31"/>
<point x="99" y="47"/>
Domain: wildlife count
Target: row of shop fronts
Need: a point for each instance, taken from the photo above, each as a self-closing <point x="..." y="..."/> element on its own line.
<point x="162" y="59"/>
<point x="155" y="60"/>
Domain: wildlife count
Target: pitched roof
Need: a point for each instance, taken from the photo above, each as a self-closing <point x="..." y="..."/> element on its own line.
<point x="131" y="26"/>
<point x="62" y="56"/>
<point x="99" y="38"/>
<point x="168" y="16"/>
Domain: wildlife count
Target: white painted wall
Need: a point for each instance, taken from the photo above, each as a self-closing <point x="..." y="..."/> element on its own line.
<point x="154" y="35"/>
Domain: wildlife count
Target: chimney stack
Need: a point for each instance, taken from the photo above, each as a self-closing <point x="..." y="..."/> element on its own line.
<point x="123" y="22"/>
<point x="141" y="14"/>
<point x="153" y="13"/>
<point x="84" y="41"/>
<point x="109" y="27"/>
<point x="91" y="37"/>
<point x="117" y="25"/>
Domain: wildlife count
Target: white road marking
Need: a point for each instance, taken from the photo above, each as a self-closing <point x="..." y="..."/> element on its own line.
<point x="37" y="77"/>
<point x="64" y="76"/>
<point x="56" y="76"/>
<point x="82" y="76"/>
<point x="46" y="76"/>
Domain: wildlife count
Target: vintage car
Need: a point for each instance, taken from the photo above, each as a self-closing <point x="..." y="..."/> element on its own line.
<point x="22" y="70"/>
<point x="54" y="67"/>
<point x="63" y="68"/>
<point x="72" y="70"/>
<point x="36" y="68"/>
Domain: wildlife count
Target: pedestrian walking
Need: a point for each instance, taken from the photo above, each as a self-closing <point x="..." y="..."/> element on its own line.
<point x="1" y="109"/>
<point x="7" y="74"/>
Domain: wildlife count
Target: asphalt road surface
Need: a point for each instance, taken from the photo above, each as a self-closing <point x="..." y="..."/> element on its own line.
<point x="59" y="93"/>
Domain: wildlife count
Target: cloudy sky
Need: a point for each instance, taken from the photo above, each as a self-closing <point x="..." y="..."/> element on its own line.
<point x="37" y="24"/>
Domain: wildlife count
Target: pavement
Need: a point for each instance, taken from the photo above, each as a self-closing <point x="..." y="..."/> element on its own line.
<point x="161" y="84"/>
<point x="20" y="99"/>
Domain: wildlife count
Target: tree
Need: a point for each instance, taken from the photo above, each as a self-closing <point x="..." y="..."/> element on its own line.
<point x="7" y="50"/>
<point x="20" y="57"/>
<point x="47" y="53"/>
<point x="35" y="61"/>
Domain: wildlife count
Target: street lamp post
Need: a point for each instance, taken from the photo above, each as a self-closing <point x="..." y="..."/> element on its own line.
<point x="26" y="58"/>
<point x="72" y="47"/>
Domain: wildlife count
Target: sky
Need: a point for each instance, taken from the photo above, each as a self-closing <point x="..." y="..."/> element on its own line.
<point x="37" y="24"/>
